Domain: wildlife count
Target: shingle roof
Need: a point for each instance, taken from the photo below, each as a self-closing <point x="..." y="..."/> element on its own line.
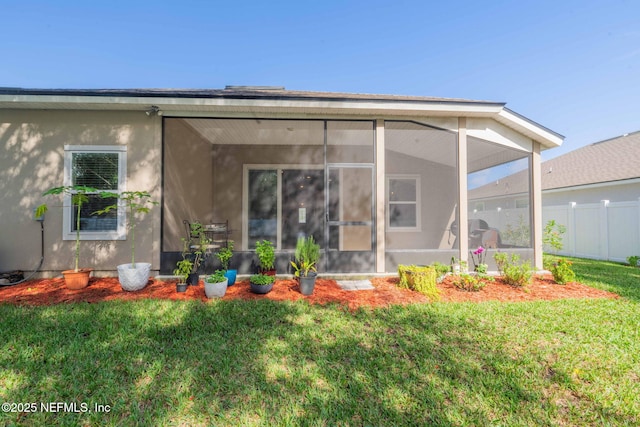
<point x="614" y="159"/>
<point x="239" y="92"/>
<point x="605" y="161"/>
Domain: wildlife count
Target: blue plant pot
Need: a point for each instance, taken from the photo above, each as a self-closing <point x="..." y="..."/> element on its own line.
<point x="231" y="276"/>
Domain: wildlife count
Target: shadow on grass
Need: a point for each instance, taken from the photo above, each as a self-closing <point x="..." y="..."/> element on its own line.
<point x="263" y="363"/>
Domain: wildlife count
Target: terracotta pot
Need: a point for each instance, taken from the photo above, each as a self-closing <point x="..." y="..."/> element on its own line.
<point x="77" y="279"/>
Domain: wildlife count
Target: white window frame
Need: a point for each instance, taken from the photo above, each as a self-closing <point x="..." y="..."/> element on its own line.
<point x="120" y="233"/>
<point x="417" y="203"/>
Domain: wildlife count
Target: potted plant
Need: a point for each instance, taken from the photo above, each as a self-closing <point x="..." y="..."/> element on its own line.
<point x="306" y="258"/>
<point x="77" y="278"/>
<point x="195" y="249"/>
<point x="182" y="270"/>
<point x="132" y="276"/>
<point x="215" y="285"/>
<point x="266" y="257"/>
<point x="224" y="255"/>
<point x="261" y="283"/>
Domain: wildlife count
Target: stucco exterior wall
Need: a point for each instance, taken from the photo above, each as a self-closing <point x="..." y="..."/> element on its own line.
<point x="32" y="161"/>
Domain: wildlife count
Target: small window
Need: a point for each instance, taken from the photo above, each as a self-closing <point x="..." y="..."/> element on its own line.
<point x="403" y="203"/>
<point x="522" y="203"/>
<point x="101" y="167"/>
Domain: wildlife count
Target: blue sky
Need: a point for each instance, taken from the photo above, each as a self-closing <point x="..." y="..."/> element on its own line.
<point x="572" y="66"/>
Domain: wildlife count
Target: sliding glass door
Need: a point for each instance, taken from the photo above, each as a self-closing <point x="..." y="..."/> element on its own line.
<point x="285" y="203"/>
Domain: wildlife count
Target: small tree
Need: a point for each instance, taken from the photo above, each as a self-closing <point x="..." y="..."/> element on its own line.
<point x="552" y="236"/>
<point x="79" y="196"/>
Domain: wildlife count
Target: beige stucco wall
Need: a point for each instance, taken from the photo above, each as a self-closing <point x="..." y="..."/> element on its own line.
<point x="32" y="161"/>
<point x="439" y="193"/>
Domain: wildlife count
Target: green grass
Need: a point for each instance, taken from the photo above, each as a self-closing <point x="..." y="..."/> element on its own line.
<point x="571" y="362"/>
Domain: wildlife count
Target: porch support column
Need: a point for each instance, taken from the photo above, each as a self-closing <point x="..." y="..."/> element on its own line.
<point x="536" y="201"/>
<point x="380" y="197"/>
<point x="463" y="230"/>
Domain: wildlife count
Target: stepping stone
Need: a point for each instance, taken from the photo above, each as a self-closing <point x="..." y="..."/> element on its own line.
<point x="355" y="285"/>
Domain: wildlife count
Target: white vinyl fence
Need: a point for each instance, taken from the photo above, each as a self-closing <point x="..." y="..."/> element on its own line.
<point x="607" y="231"/>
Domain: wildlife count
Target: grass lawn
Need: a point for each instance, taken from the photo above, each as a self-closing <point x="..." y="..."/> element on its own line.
<point x="566" y="362"/>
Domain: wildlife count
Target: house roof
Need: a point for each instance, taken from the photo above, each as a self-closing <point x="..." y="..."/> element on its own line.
<point x="612" y="160"/>
<point x="272" y="100"/>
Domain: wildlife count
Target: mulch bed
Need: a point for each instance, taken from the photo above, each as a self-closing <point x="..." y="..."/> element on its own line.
<point x="53" y="291"/>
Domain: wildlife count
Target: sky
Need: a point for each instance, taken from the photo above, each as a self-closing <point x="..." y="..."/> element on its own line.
<point x="571" y="66"/>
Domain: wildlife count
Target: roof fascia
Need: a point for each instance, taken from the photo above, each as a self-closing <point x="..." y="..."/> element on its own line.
<point x="545" y="136"/>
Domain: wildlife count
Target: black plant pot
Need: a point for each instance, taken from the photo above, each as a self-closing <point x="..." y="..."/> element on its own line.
<point x="261" y="289"/>
<point x="193" y="279"/>
<point x="181" y="287"/>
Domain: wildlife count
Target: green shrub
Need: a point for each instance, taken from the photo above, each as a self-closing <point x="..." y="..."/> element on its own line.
<point x="421" y="279"/>
<point x="468" y="282"/>
<point x="633" y="260"/>
<point x="513" y="272"/>
<point x="441" y="269"/>
<point x="562" y="272"/>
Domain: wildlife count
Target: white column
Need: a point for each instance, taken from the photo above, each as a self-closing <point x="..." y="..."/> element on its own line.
<point x="380" y="198"/>
<point x="536" y="200"/>
<point x="463" y="230"/>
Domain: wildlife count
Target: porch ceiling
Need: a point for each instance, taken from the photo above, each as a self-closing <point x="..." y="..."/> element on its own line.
<point x="411" y="139"/>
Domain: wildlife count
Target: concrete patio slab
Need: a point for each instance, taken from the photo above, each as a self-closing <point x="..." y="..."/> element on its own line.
<point x="355" y="285"/>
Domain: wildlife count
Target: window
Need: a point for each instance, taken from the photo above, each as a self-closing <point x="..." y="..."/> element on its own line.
<point x="101" y="167"/>
<point x="403" y="203"/>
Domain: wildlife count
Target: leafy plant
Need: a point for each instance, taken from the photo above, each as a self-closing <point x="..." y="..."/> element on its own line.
<point x="468" y="282"/>
<point x="441" y="269"/>
<point x="183" y="269"/>
<point x="195" y="247"/>
<point x="306" y="256"/>
<point x="421" y="279"/>
<point x="512" y="270"/>
<point x="225" y="254"/>
<point x="458" y="265"/>
<point x="517" y="234"/>
<point x="216" y="277"/>
<point x="552" y="236"/>
<point x="633" y="260"/>
<point x="137" y="202"/>
<point x="266" y="255"/>
<point x="562" y="271"/>
<point x="79" y="196"/>
<point x="262" y="279"/>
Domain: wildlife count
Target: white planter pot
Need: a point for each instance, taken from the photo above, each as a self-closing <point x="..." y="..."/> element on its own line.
<point x="134" y="279"/>
<point x="215" y="290"/>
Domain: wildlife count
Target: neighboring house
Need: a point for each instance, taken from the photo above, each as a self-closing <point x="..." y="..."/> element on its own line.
<point x="378" y="180"/>
<point x="593" y="191"/>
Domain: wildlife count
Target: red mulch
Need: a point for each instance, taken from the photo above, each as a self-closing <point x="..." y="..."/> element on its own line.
<point x="53" y="291"/>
